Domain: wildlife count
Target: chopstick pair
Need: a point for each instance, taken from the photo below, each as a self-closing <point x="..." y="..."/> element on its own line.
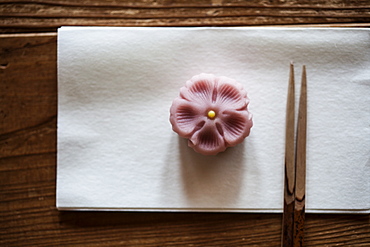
<point x="295" y="165"/>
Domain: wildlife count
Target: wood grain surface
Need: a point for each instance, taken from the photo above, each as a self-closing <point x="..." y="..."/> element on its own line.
<point x="28" y="112"/>
<point x="46" y="16"/>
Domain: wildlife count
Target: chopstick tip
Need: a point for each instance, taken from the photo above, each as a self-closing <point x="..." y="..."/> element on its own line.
<point x="304" y="75"/>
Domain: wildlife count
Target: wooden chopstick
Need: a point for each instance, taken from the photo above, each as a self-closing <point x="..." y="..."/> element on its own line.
<point x="295" y="165"/>
<point x="300" y="164"/>
<point x="289" y="178"/>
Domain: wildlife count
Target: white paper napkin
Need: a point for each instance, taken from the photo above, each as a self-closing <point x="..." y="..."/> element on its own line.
<point x="116" y="149"/>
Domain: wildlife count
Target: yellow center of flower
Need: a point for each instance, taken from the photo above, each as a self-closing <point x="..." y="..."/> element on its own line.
<point x="211" y="114"/>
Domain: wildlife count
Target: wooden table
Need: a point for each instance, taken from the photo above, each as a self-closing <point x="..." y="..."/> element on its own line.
<point x="28" y="113"/>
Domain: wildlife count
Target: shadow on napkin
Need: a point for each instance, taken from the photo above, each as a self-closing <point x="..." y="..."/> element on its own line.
<point x="212" y="180"/>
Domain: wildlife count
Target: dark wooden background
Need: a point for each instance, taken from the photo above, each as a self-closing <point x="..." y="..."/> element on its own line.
<point x="28" y="113"/>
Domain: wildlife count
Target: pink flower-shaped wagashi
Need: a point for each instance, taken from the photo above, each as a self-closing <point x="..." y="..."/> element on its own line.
<point x="212" y="113"/>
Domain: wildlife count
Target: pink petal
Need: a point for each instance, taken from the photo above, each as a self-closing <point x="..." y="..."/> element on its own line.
<point x="207" y="140"/>
<point x="186" y="117"/>
<point x="235" y="126"/>
<point x="199" y="89"/>
<point x="230" y="94"/>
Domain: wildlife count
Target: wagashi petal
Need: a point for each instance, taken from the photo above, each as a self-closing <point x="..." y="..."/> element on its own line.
<point x="199" y="89"/>
<point x="235" y="126"/>
<point x="230" y="94"/>
<point x="186" y="117"/>
<point x="207" y="140"/>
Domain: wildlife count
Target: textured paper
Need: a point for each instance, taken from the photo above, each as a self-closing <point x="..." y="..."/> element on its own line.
<point x="116" y="149"/>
